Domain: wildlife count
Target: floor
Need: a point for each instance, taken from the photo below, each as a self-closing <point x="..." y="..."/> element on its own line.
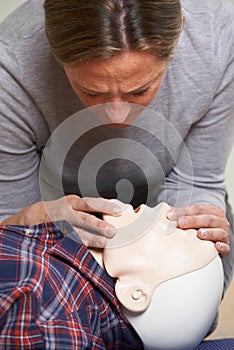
<point x="225" y="328"/>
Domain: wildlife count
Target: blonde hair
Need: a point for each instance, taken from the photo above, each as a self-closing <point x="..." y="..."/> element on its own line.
<point x="81" y="30"/>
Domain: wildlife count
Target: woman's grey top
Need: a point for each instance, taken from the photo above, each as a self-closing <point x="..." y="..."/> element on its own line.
<point x="175" y="151"/>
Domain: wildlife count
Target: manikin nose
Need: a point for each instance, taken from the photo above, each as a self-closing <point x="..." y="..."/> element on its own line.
<point x="117" y="111"/>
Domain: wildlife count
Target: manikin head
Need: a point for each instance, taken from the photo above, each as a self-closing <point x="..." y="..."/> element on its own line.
<point x="169" y="282"/>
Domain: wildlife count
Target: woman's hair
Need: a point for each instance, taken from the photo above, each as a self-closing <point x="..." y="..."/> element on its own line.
<point x="80" y="30"/>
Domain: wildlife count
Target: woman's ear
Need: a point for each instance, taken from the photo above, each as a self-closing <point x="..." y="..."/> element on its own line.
<point x="182" y="22"/>
<point x="134" y="297"/>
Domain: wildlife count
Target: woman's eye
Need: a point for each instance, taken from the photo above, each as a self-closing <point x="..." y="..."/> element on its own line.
<point x="92" y="95"/>
<point x="141" y="93"/>
<point x="96" y="95"/>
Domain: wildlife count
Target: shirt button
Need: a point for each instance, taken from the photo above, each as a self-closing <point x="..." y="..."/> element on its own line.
<point x="28" y="232"/>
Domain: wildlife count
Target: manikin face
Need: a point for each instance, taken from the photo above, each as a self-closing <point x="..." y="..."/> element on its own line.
<point x="149" y="249"/>
<point x="130" y="77"/>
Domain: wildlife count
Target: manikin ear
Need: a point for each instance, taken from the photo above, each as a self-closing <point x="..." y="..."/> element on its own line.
<point x="134" y="297"/>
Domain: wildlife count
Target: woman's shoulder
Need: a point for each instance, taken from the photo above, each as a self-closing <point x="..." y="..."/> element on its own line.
<point x="208" y="31"/>
<point x="23" y="23"/>
<point x="211" y="8"/>
<point x="209" y="18"/>
<point x="22" y="37"/>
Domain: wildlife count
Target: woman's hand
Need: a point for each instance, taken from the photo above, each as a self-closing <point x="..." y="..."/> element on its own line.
<point x="210" y="221"/>
<point x="77" y="211"/>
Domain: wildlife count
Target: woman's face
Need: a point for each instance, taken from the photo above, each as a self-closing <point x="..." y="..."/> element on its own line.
<point x="132" y="77"/>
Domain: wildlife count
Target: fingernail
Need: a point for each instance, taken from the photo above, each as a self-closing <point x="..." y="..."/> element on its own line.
<point x="110" y="232"/>
<point x="116" y="209"/>
<point x="204" y="233"/>
<point x="171" y="215"/>
<point x="221" y="246"/>
<point x="101" y="242"/>
<point x="182" y="221"/>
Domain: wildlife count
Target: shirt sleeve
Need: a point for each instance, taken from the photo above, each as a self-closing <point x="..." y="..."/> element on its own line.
<point x="210" y="139"/>
<point x="19" y="149"/>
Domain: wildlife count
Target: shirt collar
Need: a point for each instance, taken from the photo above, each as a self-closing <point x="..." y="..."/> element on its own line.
<point x="72" y="250"/>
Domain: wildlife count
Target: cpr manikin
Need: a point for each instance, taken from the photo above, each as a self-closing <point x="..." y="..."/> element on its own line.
<point x="169" y="282"/>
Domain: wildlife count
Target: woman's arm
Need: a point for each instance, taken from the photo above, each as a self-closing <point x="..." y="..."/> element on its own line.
<point x="201" y="197"/>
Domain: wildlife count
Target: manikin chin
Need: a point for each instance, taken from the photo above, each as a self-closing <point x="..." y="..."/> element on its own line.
<point x="169" y="282"/>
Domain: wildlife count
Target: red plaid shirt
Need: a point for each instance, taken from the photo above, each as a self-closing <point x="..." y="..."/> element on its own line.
<point x="54" y="295"/>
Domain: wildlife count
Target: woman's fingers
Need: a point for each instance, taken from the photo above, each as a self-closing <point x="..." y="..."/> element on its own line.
<point x="93" y="231"/>
<point x="214" y="234"/>
<point x="195" y="209"/>
<point x="210" y="221"/>
<point x="217" y="235"/>
<point x="222" y="248"/>
<point x="97" y="205"/>
<point x="77" y="211"/>
<point x="203" y="221"/>
<point x="199" y="216"/>
<point x="91" y="239"/>
<point x="92" y="223"/>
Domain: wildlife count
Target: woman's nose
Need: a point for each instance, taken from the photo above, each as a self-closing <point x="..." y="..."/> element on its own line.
<point x="117" y="111"/>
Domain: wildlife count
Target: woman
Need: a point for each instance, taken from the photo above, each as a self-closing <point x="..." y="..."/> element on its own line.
<point x="175" y="58"/>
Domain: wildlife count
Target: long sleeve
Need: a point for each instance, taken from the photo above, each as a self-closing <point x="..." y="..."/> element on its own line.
<point x="19" y="148"/>
<point x="210" y="138"/>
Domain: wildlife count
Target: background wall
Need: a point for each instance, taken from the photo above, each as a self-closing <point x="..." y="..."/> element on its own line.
<point x="8" y="6"/>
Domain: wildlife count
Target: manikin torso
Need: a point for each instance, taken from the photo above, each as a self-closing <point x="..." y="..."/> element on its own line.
<point x="169" y="282"/>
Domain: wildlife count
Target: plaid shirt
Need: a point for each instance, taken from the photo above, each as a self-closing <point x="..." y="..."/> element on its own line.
<point x="54" y="295"/>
